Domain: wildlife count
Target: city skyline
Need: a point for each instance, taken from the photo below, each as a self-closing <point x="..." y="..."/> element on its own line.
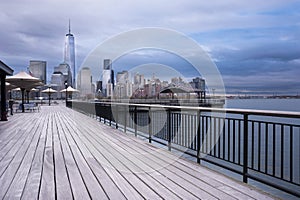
<point x="255" y="45"/>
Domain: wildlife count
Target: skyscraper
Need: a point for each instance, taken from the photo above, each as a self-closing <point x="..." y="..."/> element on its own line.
<point x="107" y="77"/>
<point x="84" y="81"/>
<point x="37" y="69"/>
<point x="69" y="53"/>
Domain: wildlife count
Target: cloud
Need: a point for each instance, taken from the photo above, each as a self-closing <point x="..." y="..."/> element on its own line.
<point x="244" y="38"/>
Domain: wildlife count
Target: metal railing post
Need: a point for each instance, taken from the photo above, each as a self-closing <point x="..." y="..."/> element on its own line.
<point x="117" y="117"/>
<point x="169" y="129"/>
<point x="198" y="137"/>
<point x="135" y="121"/>
<point x="125" y="118"/>
<point x="150" y="125"/>
<point x="245" y="143"/>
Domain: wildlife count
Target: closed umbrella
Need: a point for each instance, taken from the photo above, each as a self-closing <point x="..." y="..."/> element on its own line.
<point x="24" y="81"/>
<point x="49" y="91"/>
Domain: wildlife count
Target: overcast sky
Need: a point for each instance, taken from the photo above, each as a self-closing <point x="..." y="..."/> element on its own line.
<point x="255" y="44"/>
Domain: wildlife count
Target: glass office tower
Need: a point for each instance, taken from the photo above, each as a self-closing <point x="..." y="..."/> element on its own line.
<point x="69" y="54"/>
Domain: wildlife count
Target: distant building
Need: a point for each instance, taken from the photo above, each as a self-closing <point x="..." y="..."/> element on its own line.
<point x="198" y="83"/>
<point x="122" y="77"/>
<point x="58" y="81"/>
<point x="177" y="81"/>
<point x="108" y="80"/>
<point x="107" y="64"/>
<point x="138" y="81"/>
<point x="123" y="87"/>
<point x="99" y="86"/>
<point x="69" y="54"/>
<point x="61" y="76"/>
<point x="38" y="69"/>
<point x="84" y="81"/>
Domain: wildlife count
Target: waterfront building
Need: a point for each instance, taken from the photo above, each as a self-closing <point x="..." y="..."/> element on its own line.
<point x="139" y="80"/>
<point x="84" y="82"/>
<point x="198" y="83"/>
<point x="57" y="82"/>
<point x="61" y="76"/>
<point x="107" y="78"/>
<point x="38" y="69"/>
<point x="123" y="85"/>
<point x="122" y="77"/>
<point x="109" y="90"/>
<point x="69" y="54"/>
<point x="177" y="81"/>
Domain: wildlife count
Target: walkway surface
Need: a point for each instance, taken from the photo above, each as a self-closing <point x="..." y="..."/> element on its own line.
<point x="59" y="153"/>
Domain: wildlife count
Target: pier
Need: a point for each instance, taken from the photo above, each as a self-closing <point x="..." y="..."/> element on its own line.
<point x="60" y="153"/>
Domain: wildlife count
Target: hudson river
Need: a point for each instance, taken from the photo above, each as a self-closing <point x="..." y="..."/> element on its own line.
<point x="265" y="104"/>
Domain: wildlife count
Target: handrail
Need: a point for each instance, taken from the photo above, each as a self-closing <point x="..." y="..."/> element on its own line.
<point x="270" y="113"/>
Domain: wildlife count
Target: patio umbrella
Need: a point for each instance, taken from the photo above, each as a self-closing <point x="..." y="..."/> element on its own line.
<point x="69" y="90"/>
<point x="49" y="91"/>
<point x="24" y="81"/>
<point x="9" y="86"/>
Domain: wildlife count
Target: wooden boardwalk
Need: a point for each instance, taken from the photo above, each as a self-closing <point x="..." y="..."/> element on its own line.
<point x="58" y="153"/>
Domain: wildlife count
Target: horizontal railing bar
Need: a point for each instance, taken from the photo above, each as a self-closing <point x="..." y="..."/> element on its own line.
<point x="271" y="113"/>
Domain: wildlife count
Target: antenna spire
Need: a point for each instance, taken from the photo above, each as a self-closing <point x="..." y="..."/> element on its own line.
<point x="69" y="26"/>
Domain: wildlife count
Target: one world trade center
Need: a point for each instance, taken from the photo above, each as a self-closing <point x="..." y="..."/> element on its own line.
<point x="69" y="54"/>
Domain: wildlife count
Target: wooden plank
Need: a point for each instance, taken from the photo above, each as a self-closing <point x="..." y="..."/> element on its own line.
<point x="94" y="188"/>
<point x="78" y="187"/>
<point x="224" y="183"/>
<point x="11" y="136"/>
<point x="170" y="175"/>
<point x="47" y="188"/>
<point x="108" y="185"/>
<point x="168" y="168"/>
<point x="139" y="169"/>
<point x="16" y="188"/>
<point x="62" y="184"/>
<point x="127" y="161"/>
<point x="121" y="182"/>
<point x="32" y="186"/>
<point x="16" y="157"/>
<point x="83" y="159"/>
<point x="225" y="188"/>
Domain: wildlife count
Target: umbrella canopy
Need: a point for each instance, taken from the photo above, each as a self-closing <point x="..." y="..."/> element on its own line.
<point x="17" y="89"/>
<point x="34" y="90"/>
<point x="9" y="86"/>
<point x="49" y="91"/>
<point x="24" y="81"/>
<point x="69" y="89"/>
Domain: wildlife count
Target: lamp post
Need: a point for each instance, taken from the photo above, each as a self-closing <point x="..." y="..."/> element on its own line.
<point x="66" y="87"/>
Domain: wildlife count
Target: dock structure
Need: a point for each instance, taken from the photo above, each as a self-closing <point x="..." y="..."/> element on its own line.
<point x="59" y="153"/>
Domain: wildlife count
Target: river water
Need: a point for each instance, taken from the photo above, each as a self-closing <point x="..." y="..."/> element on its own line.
<point x="265" y="104"/>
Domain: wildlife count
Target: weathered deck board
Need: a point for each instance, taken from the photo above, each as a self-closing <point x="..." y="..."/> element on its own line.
<point x="59" y="153"/>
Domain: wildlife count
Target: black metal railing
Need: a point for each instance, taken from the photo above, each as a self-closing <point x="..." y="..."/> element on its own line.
<point x="260" y="145"/>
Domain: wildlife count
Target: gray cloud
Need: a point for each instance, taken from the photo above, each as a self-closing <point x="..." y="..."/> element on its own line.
<point x="244" y="37"/>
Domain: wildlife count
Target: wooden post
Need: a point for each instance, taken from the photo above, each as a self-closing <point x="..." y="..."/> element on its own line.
<point x="3" y="98"/>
